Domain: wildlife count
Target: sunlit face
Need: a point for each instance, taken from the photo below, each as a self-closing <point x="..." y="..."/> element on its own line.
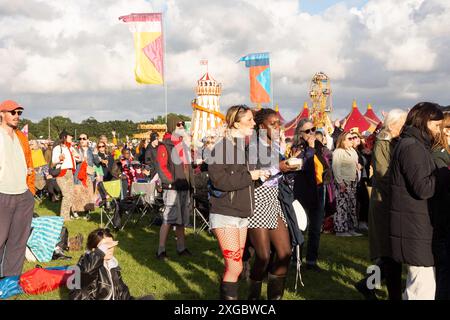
<point x="348" y="141"/>
<point x="246" y="124"/>
<point x="307" y="131"/>
<point x="396" y="128"/>
<point x="356" y="140"/>
<point x="11" y="118"/>
<point x="434" y="126"/>
<point x="272" y="125"/>
<point x="110" y="252"/>
<point x="446" y="132"/>
<point x="83" y="140"/>
<point x="126" y="154"/>
<point x="69" y="139"/>
<point x="321" y="138"/>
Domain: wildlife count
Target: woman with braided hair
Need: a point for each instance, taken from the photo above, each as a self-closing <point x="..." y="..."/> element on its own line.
<point x="267" y="230"/>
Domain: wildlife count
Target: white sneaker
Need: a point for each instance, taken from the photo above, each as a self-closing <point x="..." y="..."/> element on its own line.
<point x="363" y="226"/>
<point x="353" y="233"/>
<point x="75" y="215"/>
<point x="343" y="234"/>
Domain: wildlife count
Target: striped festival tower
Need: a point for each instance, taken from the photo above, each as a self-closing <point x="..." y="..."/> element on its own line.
<point x="206" y="117"/>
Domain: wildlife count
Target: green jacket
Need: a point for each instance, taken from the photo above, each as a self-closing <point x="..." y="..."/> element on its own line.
<point x="379" y="218"/>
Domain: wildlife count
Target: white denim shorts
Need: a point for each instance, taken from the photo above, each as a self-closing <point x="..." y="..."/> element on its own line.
<point x="221" y="221"/>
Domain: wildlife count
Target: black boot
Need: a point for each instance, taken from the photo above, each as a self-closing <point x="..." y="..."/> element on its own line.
<point x="229" y="290"/>
<point x="275" y="286"/>
<point x="254" y="290"/>
<point x="369" y="294"/>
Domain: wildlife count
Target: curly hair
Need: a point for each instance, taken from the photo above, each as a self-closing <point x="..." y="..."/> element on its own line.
<point x="262" y="115"/>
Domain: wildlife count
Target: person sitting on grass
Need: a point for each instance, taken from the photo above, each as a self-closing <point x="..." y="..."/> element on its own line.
<point x="101" y="277"/>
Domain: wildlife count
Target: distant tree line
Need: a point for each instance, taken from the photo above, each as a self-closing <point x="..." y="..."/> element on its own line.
<point x="90" y="126"/>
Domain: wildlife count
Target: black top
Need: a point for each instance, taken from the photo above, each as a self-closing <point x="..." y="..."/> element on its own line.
<point x="413" y="182"/>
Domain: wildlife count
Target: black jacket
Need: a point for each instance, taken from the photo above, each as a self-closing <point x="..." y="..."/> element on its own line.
<point x="441" y="200"/>
<point x="231" y="179"/>
<point x="305" y="184"/>
<point x="107" y="176"/>
<point x="150" y="159"/>
<point x="413" y="182"/>
<point x="97" y="283"/>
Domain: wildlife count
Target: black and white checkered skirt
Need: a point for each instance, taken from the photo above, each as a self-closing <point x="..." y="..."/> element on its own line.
<point x="267" y="209"/>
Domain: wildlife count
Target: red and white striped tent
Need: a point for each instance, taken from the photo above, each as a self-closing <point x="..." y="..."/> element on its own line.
<point x="289" y="128"/>
<point x="356" y="120"/>
<point x="371" y="116"/>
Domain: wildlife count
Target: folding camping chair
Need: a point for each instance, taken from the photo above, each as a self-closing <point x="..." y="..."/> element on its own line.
<point x="39" y="184"/>
<point x="144" y="194"/>
<point x="201" y="211"/>
<point x="110" y="205"/>
<point x="200" y="202"/>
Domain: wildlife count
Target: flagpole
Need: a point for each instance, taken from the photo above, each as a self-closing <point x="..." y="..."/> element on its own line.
<point x="165" y="61"/>
<point x="271" y="85"/>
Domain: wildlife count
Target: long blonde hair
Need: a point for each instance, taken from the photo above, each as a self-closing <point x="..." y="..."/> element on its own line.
<point x="441" y="141"/>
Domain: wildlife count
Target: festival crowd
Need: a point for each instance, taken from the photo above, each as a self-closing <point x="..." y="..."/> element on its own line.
<point x="258" y="186"/>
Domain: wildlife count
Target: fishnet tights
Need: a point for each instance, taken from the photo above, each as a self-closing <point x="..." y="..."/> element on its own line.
<point x="232" y="244"/>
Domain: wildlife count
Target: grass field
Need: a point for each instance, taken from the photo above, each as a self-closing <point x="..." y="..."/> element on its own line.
<point x="197" y="278"/>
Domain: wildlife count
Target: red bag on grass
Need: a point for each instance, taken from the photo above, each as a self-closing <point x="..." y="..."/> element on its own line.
<point x="39" y="280"/>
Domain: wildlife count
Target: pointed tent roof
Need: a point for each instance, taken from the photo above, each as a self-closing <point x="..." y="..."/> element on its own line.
<point x="356" y="120"/>
<point x="370" y="114"/>
<point x="289" y="128"/>
<point x="277" y="110"/>
<point x="206" y="77"/>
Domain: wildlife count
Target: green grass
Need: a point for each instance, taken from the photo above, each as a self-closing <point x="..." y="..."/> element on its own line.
<point x="196" y="278"/>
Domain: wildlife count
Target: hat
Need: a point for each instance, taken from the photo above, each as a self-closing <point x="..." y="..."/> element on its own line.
<point x="153" y="137"/>
<point x="64" y="134"/>
<point x="9" y="105"/>
<point x="354" y="130"/>
<point x="172" y="121"/>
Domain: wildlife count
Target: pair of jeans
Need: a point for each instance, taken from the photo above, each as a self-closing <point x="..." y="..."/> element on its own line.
<point x="315" y="217"/>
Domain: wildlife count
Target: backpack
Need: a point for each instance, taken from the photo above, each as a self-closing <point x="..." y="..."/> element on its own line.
<point x="76" y="243"/>
<point x="63" y="239"/>
<point x="9" y="286"/>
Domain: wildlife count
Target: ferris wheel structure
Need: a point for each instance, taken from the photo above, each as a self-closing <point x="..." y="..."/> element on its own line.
<point x="321" y="99"/>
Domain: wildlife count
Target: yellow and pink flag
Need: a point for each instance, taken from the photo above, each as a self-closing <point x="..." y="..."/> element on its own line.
<point x="148" y="41"/>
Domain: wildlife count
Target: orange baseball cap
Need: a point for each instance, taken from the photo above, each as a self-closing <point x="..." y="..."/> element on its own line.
<point x="9" y="105"/>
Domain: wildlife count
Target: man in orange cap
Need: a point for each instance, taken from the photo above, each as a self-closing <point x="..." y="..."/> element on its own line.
<point x="16" y="190"/>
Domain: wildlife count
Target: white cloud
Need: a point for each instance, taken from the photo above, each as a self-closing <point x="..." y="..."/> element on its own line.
<point x="381" y="52"/>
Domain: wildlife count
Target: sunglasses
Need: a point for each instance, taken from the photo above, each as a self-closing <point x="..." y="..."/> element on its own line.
<point x="308" y="131"/>
<point x="14" y="112"/>
<point x="180" y="124"/>
<point x="352" y="138"/>
<point x="101" y="146"/>
<point x="83" y="138"/>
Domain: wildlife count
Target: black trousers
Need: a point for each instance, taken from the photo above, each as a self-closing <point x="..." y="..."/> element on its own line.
<point x="362" y="201"/>
<point x="441" y="251"/>
<point x="52" y="187"/>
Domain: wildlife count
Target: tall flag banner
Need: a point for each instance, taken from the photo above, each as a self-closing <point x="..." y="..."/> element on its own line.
<point x="260" y="79"/>
<point x="147" y="30"/>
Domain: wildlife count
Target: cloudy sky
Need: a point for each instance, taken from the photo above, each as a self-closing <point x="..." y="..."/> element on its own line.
<point x="74" y="58"/>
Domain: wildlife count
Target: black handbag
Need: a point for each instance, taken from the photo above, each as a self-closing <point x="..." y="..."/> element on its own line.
<point x="55" y="171"/>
